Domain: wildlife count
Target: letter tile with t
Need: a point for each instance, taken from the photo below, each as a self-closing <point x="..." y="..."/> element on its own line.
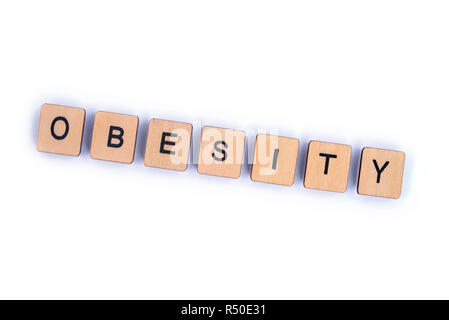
<point x="221" y="152"/>
<point x="114" y="137"/>
<point x="168" y="144"/>
<point x="327" y="166"/>
<point x="381" y="173"/>
<point x="61" y="129"/>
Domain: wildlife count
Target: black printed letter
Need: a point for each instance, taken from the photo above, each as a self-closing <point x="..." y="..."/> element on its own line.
<point x="168" y="143"/>
<point x="119" y="137"/>
<point x="275" y="159"/>
<point x="379" y="171"/>
<point x="52" y="129"/>
<point x="328" y="156"/>
<point x="216" y="144"/>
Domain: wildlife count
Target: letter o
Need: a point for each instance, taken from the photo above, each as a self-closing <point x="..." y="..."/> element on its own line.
<point x="66" y="132"/>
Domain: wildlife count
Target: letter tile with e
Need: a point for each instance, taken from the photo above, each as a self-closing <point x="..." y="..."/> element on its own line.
<point x="168" y="144"/>
<point x="114" y="137"/>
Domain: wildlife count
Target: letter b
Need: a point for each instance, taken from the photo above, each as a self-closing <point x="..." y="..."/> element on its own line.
<point x="115" y="136"/>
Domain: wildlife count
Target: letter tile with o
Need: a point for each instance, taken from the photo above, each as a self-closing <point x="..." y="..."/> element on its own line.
<point x="61" y="129"/>
<point x="114" y="137"/>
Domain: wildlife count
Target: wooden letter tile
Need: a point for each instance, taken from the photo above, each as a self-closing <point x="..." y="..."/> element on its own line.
<point x="327" y="166"/>
<point x="275" y="159"/>
<point x="221" y="152"/>
<point x="381" y="173"/>
<point x="61" y="129"/>
<point x="168" y="144"/>
<point x="114" y="137"/>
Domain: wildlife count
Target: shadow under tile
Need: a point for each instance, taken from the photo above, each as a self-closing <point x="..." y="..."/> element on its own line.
<point x="141" y="140"/>
<point x="354" y="168"/>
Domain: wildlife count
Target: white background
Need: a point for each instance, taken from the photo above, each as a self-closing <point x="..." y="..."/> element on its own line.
<point x="365" y="73"/>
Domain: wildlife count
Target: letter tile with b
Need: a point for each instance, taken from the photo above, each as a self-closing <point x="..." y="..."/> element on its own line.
<point x="327" y="166"/>
<point x="114" y="137"/>
<point x="61" y="129"/>
<point x="221" y="152"/>
<point x="381" y="173"/>
<point x="168" y="144"/>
